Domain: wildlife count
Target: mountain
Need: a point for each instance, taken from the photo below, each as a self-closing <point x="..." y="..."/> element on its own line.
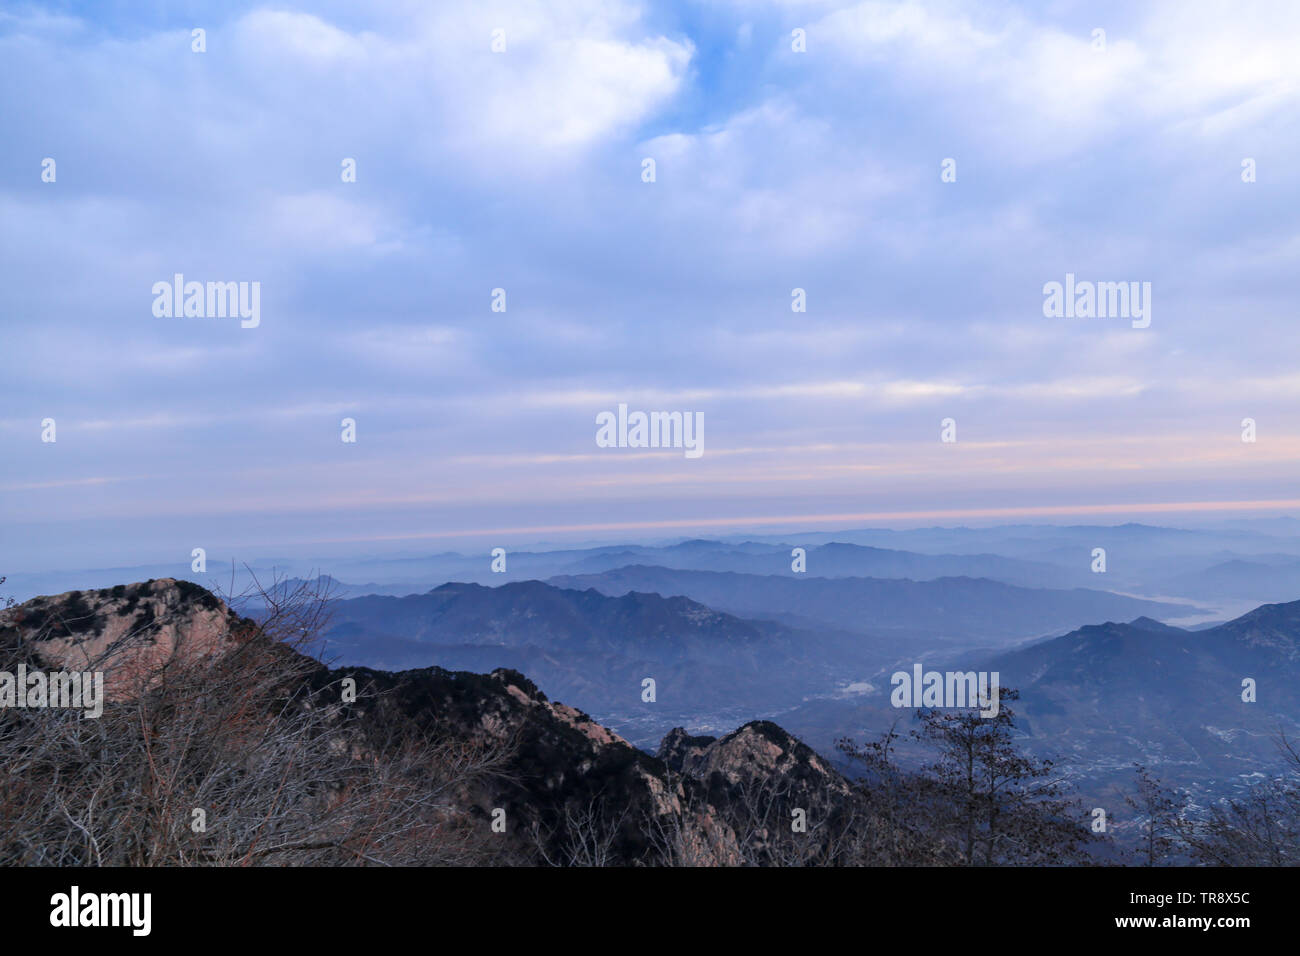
<point x="597" y="650"/>
<point x="1196" y="564"/>
<point x="495" y="749"/>
<point x="1140" y="557"/>
<point x="952" y="611"/>
<point x="833" y="560"/>
<point x="1107" y="694"/>
<point x="1103" y="697"/>
<point x="1262" y="578"/>
<point x="714" y="660"/>
<point x="423" y="764"/>
<point x="126" y="629"/>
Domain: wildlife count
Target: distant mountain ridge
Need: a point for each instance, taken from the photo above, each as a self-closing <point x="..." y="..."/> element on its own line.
<point x="968" y="609"/>
<point x="1179" y="693"/>
<point x="1243" y="564"/>
<point x="1105" y="696"/>
<point x="597" y="650"/>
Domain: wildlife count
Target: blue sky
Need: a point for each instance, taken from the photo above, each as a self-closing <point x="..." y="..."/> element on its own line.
<point x="522" y="169"/>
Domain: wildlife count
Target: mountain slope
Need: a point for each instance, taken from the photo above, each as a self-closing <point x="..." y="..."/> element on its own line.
<point x="961" y="611"/>
<point x="1112" y="693"/>
<point x="565" y="788"/>
<point x="598" y="650"/>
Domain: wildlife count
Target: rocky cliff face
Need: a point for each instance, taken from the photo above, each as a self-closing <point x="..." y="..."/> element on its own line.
<point x="786" y="803"/>
<point x="568" y="786"/>
<point x="566" y="789"/>
<point x="129" y="632"/>
<point x="758" y="751"/>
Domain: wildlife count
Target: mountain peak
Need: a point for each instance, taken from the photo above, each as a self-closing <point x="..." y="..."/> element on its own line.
<point x="127" y="629"/>
<point x="1145" y="623"/>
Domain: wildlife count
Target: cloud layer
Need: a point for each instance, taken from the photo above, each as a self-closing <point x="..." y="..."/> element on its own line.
<point x="522" y="170"/>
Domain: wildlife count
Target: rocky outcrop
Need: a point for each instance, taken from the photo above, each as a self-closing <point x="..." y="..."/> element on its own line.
<point x="763" y="751"/>
<point x="563" y="772"/>
<point x="564" y="788"/>
<point x="129" y="632"/>
<point x="787" y="804"/>
<point x="681" y="752"/>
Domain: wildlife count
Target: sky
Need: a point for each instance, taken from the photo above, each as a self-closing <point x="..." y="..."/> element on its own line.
<point x="796" y="145"/>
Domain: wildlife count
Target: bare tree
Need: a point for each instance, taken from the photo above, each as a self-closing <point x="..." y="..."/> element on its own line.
<point x="584" y="835"/>
<point x="899" y="823"/>
<point x="1006" y="803"/>
<point x="1160" y="810"/>
<point x="1259" y="829"/>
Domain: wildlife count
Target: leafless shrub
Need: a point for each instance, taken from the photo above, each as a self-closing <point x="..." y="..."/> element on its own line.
<point x="585" y="835"/>
<point x="1260" y="829"/>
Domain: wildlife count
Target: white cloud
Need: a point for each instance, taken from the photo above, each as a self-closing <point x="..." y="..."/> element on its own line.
<point x="1045" y="91"/>
<point x="570" y="76"/>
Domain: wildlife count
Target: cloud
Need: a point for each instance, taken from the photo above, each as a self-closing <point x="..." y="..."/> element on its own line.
<point x="522" y="170"/>
<point x="567" y="78"/>
<point x="1055" y="90"/>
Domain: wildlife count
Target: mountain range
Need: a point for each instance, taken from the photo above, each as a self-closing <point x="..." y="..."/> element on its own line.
<point x="951" y="611"/>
